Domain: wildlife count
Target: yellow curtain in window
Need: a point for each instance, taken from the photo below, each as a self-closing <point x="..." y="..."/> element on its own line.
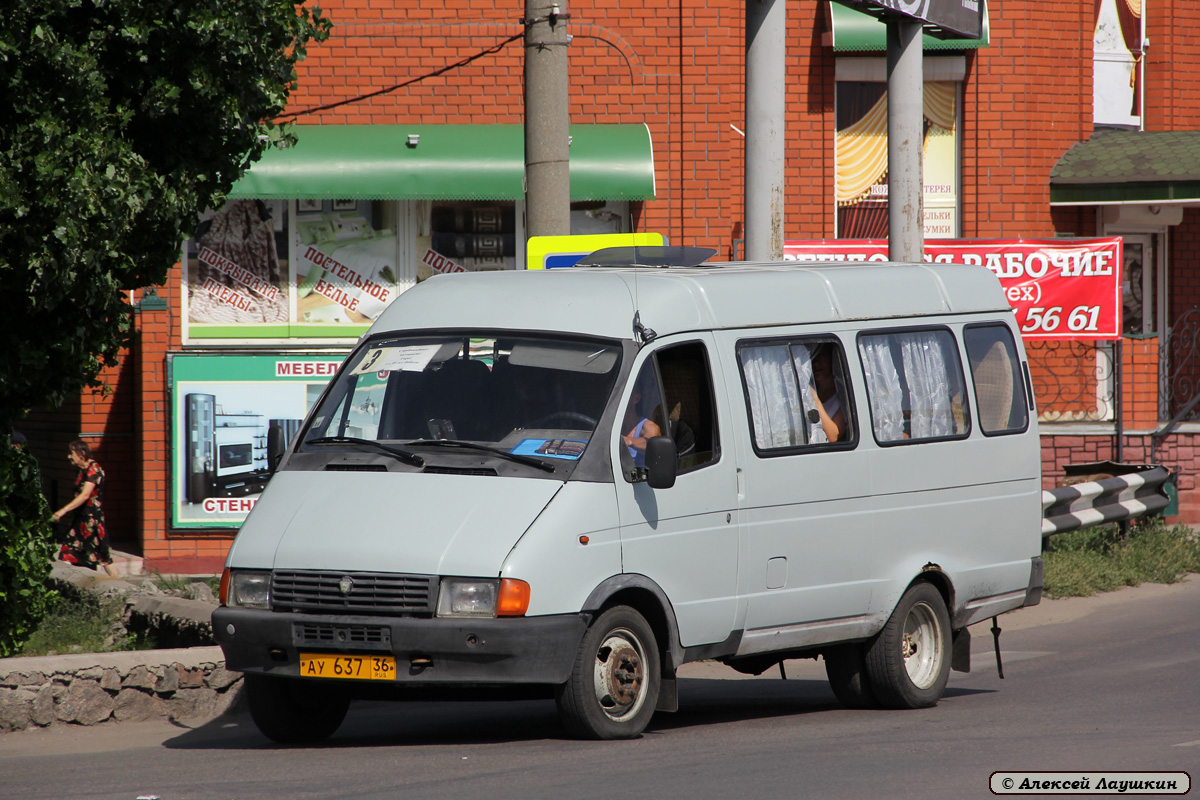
<point x="862" y="147"/>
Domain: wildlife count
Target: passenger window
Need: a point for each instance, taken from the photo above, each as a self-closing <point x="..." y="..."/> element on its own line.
<point x="914" y="382"/>
<point x="673" y="396"/>
<point x="996" y="373"/>
<point x="796" y="393"/>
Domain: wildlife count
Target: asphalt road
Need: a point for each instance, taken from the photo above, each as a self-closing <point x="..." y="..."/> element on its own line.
<point x="1104" y="683"/>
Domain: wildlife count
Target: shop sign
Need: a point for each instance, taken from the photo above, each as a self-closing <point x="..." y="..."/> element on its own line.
<point x="1060" y="288"/>
<point x="222" y="409"/>
<point x="962" y="17"/>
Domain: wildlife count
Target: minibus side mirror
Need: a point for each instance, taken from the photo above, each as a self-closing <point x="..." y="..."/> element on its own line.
<point x="660" y="462"/>
<point x="276" y="444"/>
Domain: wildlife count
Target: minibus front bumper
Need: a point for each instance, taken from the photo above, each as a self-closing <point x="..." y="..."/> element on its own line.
<point x="446" y="651"/>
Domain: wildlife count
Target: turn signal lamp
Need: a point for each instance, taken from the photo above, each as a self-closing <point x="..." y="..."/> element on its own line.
<point x="514" y="598"/>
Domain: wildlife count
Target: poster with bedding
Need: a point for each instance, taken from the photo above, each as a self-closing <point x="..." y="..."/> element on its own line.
<point x="346" y="267"/>
<point x="285" y="270"/>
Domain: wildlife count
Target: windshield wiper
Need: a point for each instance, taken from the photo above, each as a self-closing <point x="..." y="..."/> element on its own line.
<point x="404" y="455"/>
<point x="530" y="460"/>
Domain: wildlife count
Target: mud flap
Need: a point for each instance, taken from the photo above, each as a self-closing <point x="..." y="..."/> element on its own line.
<point x="668" y="695"/>
<point x="960" y="651"/>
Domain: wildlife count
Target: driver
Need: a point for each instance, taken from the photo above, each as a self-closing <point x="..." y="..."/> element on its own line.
<point x="638" y="429"/>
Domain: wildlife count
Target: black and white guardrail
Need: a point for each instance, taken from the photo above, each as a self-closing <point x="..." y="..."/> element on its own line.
<point x="1109" y="500"/>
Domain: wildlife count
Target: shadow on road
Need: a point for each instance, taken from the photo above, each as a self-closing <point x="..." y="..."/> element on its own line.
<point x="702" y="702"/>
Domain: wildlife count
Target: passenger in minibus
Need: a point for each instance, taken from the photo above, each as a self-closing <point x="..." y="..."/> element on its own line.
<point x="826" y="400"/>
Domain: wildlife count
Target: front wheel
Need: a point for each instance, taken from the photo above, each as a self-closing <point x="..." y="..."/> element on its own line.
<point x="293" y="711"/>
<point x="614" y="685"/>
<point x="908" y="662"/>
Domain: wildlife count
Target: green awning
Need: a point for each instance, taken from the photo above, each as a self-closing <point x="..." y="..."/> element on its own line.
<point x="853" y="31"/>
<point x="446" y="162"/>
<point x="1127" y="166"/>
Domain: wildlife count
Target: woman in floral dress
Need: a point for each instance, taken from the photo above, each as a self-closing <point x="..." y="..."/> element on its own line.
<point x="87" y="542"/>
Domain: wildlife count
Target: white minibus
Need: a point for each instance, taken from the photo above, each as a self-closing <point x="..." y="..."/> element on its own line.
<point x="569" y="482"/>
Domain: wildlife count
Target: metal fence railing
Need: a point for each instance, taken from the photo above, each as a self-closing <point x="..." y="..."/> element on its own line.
<point x="1116" y="499"/>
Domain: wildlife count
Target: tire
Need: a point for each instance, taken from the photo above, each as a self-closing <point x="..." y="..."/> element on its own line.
<point x="846" y="668"/>
<point x="908" y="662"/>
<point x="614" y="684"/>
<point x="291" y="711"/>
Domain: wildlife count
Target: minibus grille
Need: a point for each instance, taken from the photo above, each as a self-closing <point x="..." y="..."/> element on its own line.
<point x="333" y="592"/>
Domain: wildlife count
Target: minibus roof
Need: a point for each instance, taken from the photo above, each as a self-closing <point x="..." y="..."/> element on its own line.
<point x="601" y="301"/>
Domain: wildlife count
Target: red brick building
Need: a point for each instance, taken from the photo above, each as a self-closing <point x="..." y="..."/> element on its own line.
<point x="656" y="106"/>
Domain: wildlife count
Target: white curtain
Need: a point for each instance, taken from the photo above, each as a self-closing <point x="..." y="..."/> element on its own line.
<point x="803" y="363"/>
<point x="932" y="414"/>
<point x="883" y="388"/>
<point x="775" y="409"/>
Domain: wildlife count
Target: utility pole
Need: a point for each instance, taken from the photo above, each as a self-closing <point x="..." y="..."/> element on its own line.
<point x="906" y="138"/>
<point x="547" y="129"/>
<point x="766" y="76"/>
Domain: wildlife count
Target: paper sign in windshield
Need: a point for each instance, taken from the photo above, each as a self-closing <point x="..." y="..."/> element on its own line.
<point x="384" y="359"/>
<point x="555" y="448"/>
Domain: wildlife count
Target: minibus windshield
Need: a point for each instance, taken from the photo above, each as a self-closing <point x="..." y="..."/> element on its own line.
<point x="533" y="396"/>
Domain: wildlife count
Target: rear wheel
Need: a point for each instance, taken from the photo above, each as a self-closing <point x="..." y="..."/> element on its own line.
<point x="614" y="685"/>
<point x="291" y="711"/>
<point x="846" y="667"/>
<point x="908" y="662"/>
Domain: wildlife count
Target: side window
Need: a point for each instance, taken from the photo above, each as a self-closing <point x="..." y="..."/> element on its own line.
<point x="673" y="396"/>
<point x="691" y="415"/>
<point x="796" y="393"/>
<point x="996" y="373"/>
<point x="915" y="385"/>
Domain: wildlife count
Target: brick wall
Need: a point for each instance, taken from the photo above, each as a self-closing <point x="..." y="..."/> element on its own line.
<point x="1027" y="99"/>
<point x="1172" y="66"/>
<point x="164" y="549"/>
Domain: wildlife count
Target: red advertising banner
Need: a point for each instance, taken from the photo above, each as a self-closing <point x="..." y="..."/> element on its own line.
<point x="1060" y="288"/>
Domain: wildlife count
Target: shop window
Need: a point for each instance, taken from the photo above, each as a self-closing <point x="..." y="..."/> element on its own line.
<point x="861" y="184"/>
<point x="1118" y="43"/>
<point x="599" y="216"/>
<point x="280" y="270"/>
<point x="346" y="261"/>
<point x="466" y="236"/>
<point x="237" y="266"/>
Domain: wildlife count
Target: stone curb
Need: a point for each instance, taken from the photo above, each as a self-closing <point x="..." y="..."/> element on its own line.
<point x="103" y="688"/>
<point x="187" y="682"/>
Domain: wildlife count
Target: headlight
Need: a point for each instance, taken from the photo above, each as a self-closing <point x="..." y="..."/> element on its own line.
<point x="467" y="597"/>
<point x="249" y="589"/>
<point x="476" y="597"/>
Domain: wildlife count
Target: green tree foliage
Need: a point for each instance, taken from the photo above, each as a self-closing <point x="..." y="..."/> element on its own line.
<point x="121" y="121"/>
<point x="25" y="549"/>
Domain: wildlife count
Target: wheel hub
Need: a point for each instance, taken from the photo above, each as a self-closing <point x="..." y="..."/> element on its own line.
<point x="920" y="645"/>
<point x="619" y="676"/>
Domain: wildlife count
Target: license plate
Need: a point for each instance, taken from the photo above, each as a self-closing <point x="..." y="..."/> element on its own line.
<point x="368" y="668"/>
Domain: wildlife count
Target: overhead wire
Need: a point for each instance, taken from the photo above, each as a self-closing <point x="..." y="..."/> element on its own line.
<point x="496" y="48"/>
